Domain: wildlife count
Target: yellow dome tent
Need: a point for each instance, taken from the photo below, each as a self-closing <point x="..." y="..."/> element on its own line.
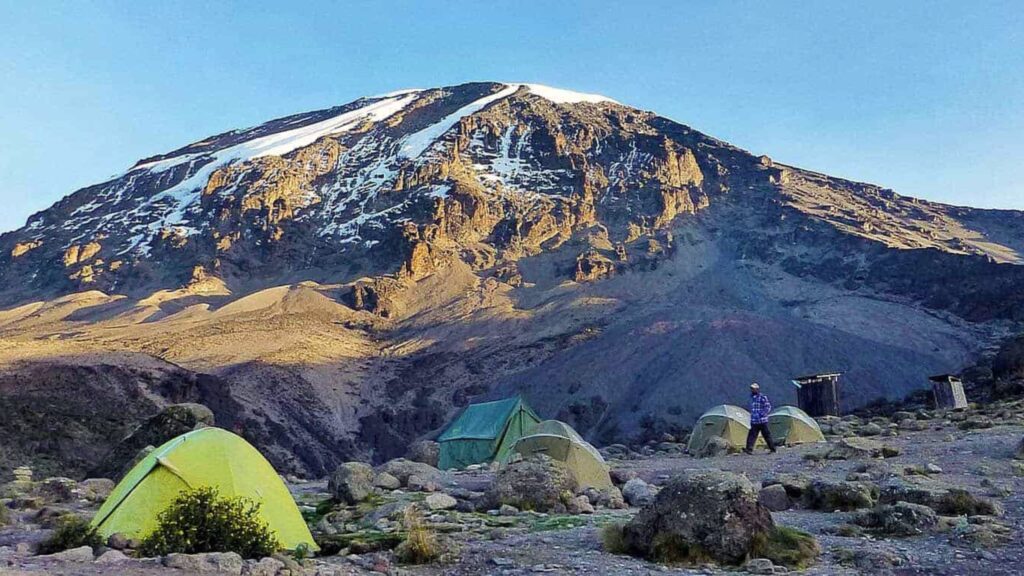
<point x="726" y="421"/>
<point x="208" y="457"/>
<point x="791" y="425"/>
<point x="559" y="441"/>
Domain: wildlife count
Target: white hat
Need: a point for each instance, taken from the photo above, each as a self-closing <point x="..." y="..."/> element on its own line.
<point x="755" y="386"/>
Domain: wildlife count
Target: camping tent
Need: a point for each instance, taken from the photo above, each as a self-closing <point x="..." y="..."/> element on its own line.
<point x="791" y="425"/>
<point x="208" y="457"/>
<point x="485" y="432"/>
<point x="559" y="441"/>
<point x="725" y="421"/>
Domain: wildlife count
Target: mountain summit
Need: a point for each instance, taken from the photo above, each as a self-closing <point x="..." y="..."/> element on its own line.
<point x="344" y="279"/>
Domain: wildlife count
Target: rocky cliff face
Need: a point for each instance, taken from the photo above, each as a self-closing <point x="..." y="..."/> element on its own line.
<point x="353" y="275"/>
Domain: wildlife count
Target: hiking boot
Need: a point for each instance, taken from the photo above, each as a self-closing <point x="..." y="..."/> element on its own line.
<point x="746" y="451"/>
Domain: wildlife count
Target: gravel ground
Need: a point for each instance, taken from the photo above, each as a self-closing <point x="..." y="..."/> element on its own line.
<point x="975" y="460"/>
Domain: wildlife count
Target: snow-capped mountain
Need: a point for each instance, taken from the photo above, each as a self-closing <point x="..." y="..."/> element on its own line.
<point x="516" y="166"/>
<point x="339" y="282"/>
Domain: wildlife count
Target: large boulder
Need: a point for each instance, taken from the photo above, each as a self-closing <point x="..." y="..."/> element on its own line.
<point x="899" y="519"/>
<point x="351" y="482"/>
<point x="424" y="451"/>
<point x="829" y="495"/>
<point x="700" y="514"/>
<point x="536" y="483"/>
<point x="403" y="469"/>
<point x="170" y="422"/>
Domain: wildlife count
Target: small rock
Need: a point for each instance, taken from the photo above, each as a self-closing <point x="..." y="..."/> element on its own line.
<point x="425" y="451"/>
<point x="829" y="495"/>
<point x="111" y="557"/>
<point x="774" y="498"/>
<point x="226" y="562"/>
<point x="265" y="567"/>
<point x="507" y="510"/>
<point x="870" y="429"/>
<point x="440" y="501"/>
<point x="386" y="481"/>
<point x="351" y="482"/>
<point x="900" y="519"/>
<point x="620" y="476"/>
<point x="57" y="489"/>
<point x="118" y="541"/>
<point x="580" y="505"/>
<point x="80" y="554"/>
<point x="759" y="566"/>
<point x="502" y="562"/>
<point x="636" y="492"/>
<point x="96" y="489"/>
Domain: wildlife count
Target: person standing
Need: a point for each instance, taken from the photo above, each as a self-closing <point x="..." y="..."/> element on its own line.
<point x="760" y="406"/>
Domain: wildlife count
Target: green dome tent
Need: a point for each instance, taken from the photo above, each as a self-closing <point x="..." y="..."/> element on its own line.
<point x="791" y="425"/>
<point x="726" y="421"/>
<point x="559" y="441"/>
<point x="485" y="432"/>
<point x="208" y="457"/>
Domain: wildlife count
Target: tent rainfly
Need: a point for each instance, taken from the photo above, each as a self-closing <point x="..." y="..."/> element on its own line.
<point x="485" y="432"/>
<point x="791" y="425"/>
<point x="559" y="441"/>
<point x="208" y="457"/>
<point x="726" y="421"/>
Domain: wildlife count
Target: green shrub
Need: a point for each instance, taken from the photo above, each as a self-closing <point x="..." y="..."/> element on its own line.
<point x="72" y="532"/>
<point x="301" y="552"/>
<point x="613" y="540"/>
<point x="202" y="520"/>
<point x="5" y="515"/>
<point x="787" y="546"/>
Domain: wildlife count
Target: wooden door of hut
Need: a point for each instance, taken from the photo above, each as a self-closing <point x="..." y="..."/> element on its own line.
<point x="818" y="394"/>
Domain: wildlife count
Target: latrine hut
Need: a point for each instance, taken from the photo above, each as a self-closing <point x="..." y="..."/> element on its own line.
<point x="818" y="394"/>
<point x="948" y="391"/>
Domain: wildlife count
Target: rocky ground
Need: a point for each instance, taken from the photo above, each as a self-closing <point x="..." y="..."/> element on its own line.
<point x="843" y="492"/>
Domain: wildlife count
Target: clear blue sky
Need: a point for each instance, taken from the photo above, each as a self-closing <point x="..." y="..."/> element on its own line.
<point x="926" y="97"/>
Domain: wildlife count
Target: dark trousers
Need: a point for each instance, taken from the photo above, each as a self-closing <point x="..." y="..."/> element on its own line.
<point x="762" y="429"/>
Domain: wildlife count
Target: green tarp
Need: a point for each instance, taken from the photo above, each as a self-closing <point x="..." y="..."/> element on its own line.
<point x="485" y="432"/>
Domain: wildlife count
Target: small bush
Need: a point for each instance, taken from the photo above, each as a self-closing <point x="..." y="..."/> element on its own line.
<point x="72" y="532"/>
<point x="613" y="540"/>
<point x="788" y="547"/>
<point x="301" y="552"/>
<point x="959" y="502"/>
<point x="673" y="549"/>
<point x="421" y="545"/>
<point x="5" y="515"/>
<point x="201" y="520"/>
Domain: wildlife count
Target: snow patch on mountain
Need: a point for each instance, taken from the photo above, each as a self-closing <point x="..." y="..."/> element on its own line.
<point x="416" y="144"/>
<point x="560" y="96"/>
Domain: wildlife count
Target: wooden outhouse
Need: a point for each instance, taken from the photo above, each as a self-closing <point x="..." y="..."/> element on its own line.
<point x="818" y="394"/>
<point x="948" y="391"/>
